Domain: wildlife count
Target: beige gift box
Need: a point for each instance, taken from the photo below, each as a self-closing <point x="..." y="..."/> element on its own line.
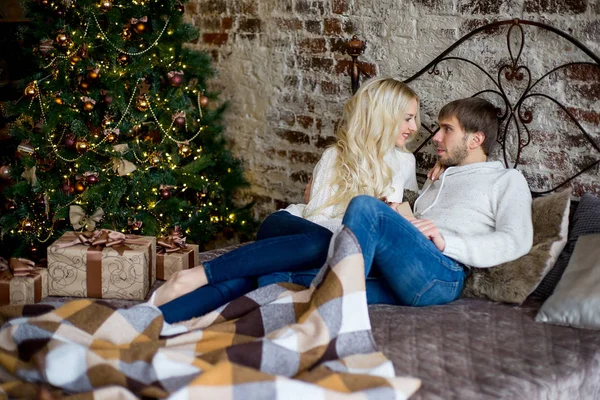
<point x="29" y="289"/>
<point x="169" y="263"/>
<point x="123" y="271"/>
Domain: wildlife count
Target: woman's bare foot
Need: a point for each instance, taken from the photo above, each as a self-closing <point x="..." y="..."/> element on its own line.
<point x="180" y="283"/>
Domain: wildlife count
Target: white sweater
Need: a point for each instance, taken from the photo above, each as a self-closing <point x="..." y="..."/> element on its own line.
<point x="482" y="210"/>
<point x="403" y="177"/>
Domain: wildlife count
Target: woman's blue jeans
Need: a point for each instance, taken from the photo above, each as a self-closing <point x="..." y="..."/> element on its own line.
<point x="284" y="243"/>
<point x="402" y="266"/>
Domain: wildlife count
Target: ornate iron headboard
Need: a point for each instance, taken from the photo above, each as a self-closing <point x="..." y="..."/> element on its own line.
<point x="515" y="112"/>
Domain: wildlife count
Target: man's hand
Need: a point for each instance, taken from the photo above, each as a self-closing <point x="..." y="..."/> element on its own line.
<point x="307" y="191"/>
<point x="430" y="231"/>
<point x="435" y="172"/>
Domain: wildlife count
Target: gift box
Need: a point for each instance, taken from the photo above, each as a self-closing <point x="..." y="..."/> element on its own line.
<point x="25" y="284"/>
<point x="102" y="264"/>
<point x="167" y="263"/>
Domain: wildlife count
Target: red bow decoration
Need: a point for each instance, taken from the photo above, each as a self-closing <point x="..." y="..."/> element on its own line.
<point x="135" y="20"/>
<point x="171" y="74"/>
<point x="178" y="114"/>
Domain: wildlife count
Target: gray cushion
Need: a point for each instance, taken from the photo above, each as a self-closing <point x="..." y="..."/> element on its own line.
<point x="586" y="220"/>
<point x="576" y="299"/>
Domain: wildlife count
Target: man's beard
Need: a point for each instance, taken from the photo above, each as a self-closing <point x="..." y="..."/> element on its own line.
<point x="459" y="154"/>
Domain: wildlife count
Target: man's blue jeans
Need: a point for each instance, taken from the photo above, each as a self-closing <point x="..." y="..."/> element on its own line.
<point x="402" y="266"/>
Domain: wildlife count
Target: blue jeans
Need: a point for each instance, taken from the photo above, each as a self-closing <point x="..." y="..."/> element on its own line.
<point x="408" y="268"/>
<point x="284" y="243"/>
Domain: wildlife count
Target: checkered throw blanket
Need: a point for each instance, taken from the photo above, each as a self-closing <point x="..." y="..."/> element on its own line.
<point x="279" y="342"/>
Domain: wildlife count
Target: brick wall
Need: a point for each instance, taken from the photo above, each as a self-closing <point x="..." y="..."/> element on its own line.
<point x="282" y="67"/>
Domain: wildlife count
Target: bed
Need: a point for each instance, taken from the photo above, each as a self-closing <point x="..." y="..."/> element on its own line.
<point x="475" y="348"/>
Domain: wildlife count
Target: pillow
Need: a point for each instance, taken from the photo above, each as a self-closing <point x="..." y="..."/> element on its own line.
<point x="586" y="220"/>
<point x="514" y="281"/>
<point x="576" y="299"/>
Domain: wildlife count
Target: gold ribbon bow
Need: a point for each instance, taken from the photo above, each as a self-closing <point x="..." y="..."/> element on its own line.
<point x="80" y="220"/>
<point x="171" y="243"/>
<point x="120" y="165"/>
<point x="103" y="237"/>
<point x="88" y="99"/>
<point x="30" y="176"/>
<point x="171" y="74"/>
<point x="23" y="267"/>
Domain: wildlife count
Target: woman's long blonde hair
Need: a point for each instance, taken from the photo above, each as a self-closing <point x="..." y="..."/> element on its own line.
<point x="370" y="124"/>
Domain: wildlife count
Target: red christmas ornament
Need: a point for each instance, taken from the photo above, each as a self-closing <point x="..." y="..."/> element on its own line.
<point x="203" y="101"/>
<point x="67" y="188"/>
<point x="175" y="78"/>
<point x="70" y="142"/>
<point x="92" y="179"/>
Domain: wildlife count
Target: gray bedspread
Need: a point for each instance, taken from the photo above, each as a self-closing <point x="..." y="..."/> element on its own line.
<point x="477" y="349"/>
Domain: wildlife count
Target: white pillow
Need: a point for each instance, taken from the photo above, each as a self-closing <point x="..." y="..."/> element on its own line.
<point x="576" y="299"/>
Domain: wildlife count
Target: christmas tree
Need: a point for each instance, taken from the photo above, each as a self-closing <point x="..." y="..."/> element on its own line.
<point x="117" y="130"/>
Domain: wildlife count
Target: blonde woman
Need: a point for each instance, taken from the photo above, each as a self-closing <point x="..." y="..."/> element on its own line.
<point x="368" y="158"/>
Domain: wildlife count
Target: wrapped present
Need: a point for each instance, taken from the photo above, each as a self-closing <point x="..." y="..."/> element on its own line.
<point x="102" y="264"/>
<point x="173" y="255"/>
<point x="22" y="282"/>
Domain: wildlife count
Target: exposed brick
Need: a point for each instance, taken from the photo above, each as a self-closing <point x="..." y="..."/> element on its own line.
<point x="212" y="6"/>
<point x="316" y="45"/>
<point x="245" y="7"/>
<point x="321" y="64"/>
<point x="274" y="152"/>
<point x="319" y="125"/>
<point x="310" y="104"/>
<point x="226" y="23"/>
<point x="555" y="6"/>
<point x="579" y="188"/>
<point x="586" y="73"/>
<point x="305" y="121"/>
<point x="304" y="157"/>
<point x="288" y="117"/>
<point x="289" y="24"/>
<point x="590" y="91"/>
<point x="310" y="7"/>
<point x="279" y="204"/>
<point x="209" y="24"/>
<point x="344" y="66"/>
<point x="314" y="27"/>
<point x="338" y="45"/>
<point x="300" y="176"/>
<point x="247" y="36"/>
<point x="215" y="38"/>
<point x="251" y="25"/>
<point x="590" y="116"/>
<point x="332" y="26"/>
<point x="291" y="81"/>
<point x="483" y="7"/>
<point x="323" y="142"/>
<point x="472" y="24"/>
<point x="293" y="136"/>
<point x="349" y="27"/>
<point x="339" y="6"/>
<point x="329" y="87"/>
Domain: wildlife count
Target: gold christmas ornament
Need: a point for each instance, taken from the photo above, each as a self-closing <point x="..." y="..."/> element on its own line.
<point x="81" y="146"/>
<point x="111" y="138"/>
<point x="154" y="159"/>
<point x="27" y="225"/>
<point x="139" y="25"/>
<point x="74" y="59"/>
<point x="62" y="39"/>
<point x="107" y="121"/>
<point x="88" y="103"/>
<point x="122" y="59"/>
<point x="203" y="101"/>
<point x="126" y="34"/>
<point x="79" y="187"/>
<point x="93" y="74"/>
<point x="105" y="5"/>
<point x="31" y="90"/>
<point x="84" y="85"/>
<point x="142" y="104"/>
<point x="184" y="150"/>
<point x="58" y="100"/>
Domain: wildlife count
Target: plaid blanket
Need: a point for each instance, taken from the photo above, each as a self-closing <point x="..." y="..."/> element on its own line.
<point x="279" y="342"/>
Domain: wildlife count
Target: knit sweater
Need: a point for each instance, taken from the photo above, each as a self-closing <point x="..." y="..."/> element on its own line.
<point x="482" y="210"/>
<point x="403" y="169"/>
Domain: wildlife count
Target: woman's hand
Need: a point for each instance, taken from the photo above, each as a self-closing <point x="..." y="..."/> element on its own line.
<point x="435" y="172"/>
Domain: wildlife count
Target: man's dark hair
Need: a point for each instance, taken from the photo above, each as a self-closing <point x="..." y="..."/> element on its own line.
<point x="474" y="115"/>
